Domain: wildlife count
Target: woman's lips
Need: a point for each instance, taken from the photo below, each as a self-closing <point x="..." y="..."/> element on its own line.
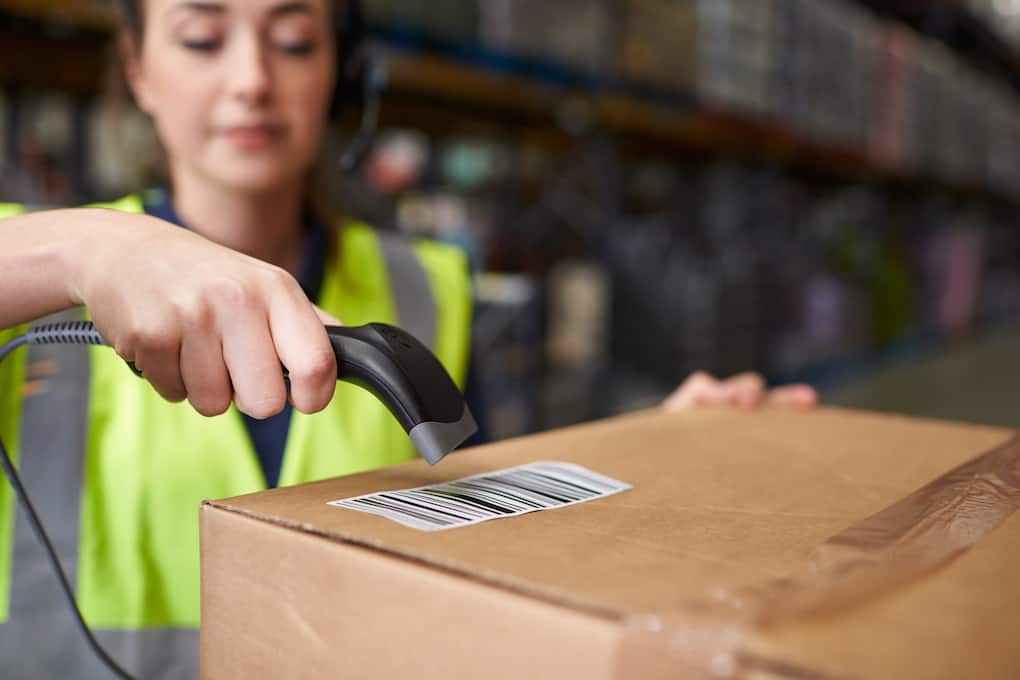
<point x="249" y="136"/>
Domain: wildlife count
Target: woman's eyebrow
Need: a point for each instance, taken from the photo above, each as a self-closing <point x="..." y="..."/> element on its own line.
<point x="218" y="8"/>
<point x="295" y="7"/>
<point x="200" y="6"/>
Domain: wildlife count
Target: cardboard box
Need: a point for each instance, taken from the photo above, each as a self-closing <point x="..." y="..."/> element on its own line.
<point x="708" y="567"/>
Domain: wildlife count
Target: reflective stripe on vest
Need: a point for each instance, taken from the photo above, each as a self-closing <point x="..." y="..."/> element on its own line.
<point x="412" y="292"/>
<point x="53" y="432"/>
<point x="40" y="638"/>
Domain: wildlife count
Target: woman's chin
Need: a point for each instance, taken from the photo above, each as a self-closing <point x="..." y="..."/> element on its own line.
<point x="256" y="177"/>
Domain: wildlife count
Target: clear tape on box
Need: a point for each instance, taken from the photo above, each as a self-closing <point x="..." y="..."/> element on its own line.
<point x="893" y="548"/>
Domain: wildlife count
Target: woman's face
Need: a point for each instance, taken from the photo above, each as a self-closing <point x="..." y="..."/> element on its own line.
<point x="238" y="89"/>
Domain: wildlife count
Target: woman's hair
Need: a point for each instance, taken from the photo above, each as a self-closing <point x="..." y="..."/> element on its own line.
<point x="148" y="164"/>
<point x="131" y="15"/>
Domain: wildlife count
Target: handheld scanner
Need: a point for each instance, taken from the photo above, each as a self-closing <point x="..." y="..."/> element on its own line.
<point x="408" y="378"/>
<point x="387" y="361"/>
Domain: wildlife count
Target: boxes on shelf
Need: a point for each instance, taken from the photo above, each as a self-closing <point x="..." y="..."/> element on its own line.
<point x="659" y="44"/>
<point x="451" y="19"/>
<point x="507" y="350"/>
<point x="828" y="71"/>
<point x="576" y="344"/>
<point x="578" y="34"/>
<point x="932" y="94"/>
<point x="893" y="113"/>
<point x="737" y="46"/>
<point x="721" y="50"/>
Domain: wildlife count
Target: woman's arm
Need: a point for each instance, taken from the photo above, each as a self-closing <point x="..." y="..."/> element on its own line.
<point x="203" y="322"/>
<point x="37" y="254"/>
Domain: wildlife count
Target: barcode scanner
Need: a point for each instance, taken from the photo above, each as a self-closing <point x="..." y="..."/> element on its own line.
<point x="385" y="360"/>
<point x="405" y="376"/>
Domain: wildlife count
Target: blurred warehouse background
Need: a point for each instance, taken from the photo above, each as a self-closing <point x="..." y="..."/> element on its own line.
<point x="820" y="190"/>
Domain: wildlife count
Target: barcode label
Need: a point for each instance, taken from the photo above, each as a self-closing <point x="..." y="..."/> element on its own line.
<point x="494" y="495"/>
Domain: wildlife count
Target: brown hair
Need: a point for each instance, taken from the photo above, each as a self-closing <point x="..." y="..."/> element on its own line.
<point x="149" y="163"/>
<point x="130" y="14"/>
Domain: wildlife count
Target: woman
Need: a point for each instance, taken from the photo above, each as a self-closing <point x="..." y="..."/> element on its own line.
<point x="239" y="91"/>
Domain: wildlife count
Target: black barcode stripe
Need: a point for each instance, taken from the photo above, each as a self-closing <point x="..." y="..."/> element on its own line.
<point x="604" y="484"/>
<point x="533" y="499"/>
<point x="387" y="510"/>
<point x="474" y="505"/>
<point x="404" y="501"/>
<point x="480" y="489"/>
<point x="562" y="481"/>
<point x="588" y="477"/>
<point x="507" y="493"/>
<point x="545" y="482"/>
<point x="511" y="482"/>
<point x="475" y="501"/>
<point x="462" y="512"/>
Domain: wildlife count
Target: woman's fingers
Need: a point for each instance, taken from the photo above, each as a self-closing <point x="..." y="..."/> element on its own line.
<point x="801" y="396"/>
<point x="747" y="390"/>
<point x="699" y="388"/>
<point x="156" y="353"/>
<point x="300" y="339"/>
<point x="207" y="323"/>
<point x="204" y="370"/>
<point x="254" y="367"/>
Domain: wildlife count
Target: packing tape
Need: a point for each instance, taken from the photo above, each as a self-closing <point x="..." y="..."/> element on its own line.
<point x="896" y="546"/>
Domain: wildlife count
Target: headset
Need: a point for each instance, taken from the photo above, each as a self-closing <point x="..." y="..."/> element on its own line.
<point x="361" y="76"/>
<point x="361" y="79"/>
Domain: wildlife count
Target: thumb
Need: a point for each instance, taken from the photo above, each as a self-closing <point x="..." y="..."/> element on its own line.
<point x="326" y="318"/>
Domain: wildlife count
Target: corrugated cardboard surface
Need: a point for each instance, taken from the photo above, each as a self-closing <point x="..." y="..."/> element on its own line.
<point x="959" y="623"/>
<point x="284" y="604"/>
<point x="722" y="501"/>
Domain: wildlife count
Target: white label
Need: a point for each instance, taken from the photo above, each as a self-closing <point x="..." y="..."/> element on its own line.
<point x="493" y="495"/>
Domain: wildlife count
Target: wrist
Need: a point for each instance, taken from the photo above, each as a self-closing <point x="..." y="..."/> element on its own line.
<point x="83" y="252"/>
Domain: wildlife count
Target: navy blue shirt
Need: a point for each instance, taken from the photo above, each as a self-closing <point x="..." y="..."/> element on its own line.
<point x="269" y="436"/>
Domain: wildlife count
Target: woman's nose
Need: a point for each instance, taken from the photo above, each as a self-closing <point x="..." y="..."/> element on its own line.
<point x="248" y="70"/>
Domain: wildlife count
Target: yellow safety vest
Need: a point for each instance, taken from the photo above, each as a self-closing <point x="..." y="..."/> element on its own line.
<point x="146" y="465"/>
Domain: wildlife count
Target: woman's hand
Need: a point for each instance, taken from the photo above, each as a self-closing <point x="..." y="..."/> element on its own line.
<point x="203" y="322"/>
<point x="746" y="391"/>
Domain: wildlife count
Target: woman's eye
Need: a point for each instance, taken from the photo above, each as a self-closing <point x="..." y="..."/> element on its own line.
<point x="300" y="49"/>
<point x="201" y="45"/>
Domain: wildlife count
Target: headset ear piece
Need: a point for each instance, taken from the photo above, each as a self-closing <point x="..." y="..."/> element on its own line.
<point x="350" y="35"/>
<point x="360" y="80"/>
<point x="348" y="86"/>
<point x="367" y="81"/>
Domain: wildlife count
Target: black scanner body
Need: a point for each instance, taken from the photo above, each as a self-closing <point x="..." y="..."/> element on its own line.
<point x="408" y="378"/>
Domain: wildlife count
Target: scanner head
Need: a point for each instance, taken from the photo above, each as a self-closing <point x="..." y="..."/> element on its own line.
<point x="408" y="378"/>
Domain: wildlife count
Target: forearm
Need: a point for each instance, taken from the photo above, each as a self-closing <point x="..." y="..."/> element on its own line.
<point x="40" y="258"/>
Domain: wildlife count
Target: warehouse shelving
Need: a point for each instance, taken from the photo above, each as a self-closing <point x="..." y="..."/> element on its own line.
<point x="436" y="85"/>
<point x="596" y="128"/>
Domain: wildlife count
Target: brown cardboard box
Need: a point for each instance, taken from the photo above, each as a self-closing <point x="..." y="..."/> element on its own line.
<point x="655" y="582"/>
<point x="659" y="44"/>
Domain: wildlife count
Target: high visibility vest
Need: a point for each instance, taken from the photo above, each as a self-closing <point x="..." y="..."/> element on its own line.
<point x="118" y="474"/>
